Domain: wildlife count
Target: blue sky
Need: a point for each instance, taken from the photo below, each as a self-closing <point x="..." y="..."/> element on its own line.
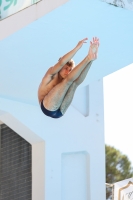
<point x="28" y="53"/>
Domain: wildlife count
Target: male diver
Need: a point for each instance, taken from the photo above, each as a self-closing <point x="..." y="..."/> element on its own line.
<point x="60" y="82"/>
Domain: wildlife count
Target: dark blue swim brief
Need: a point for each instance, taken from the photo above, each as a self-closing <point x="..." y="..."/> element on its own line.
<point x="53" y="114"/>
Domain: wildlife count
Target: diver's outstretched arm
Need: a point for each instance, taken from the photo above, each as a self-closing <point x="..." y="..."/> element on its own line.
<point x="67" y="57"/>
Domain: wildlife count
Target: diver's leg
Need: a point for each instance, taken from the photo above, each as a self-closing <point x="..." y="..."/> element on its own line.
<point x="83" y="74"/>
<point x="68" y="98"/>
<point x="70" y="93"/>
<point x="54" y="98"/>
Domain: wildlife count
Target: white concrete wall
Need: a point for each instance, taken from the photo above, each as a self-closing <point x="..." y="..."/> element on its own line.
<point x="74" y="144"/>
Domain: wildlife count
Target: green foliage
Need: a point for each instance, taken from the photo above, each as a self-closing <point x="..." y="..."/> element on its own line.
<point x="0" y="2"/>
<point x="118" y="167"/>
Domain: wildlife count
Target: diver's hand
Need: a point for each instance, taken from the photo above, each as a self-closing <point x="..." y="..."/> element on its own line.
<point x="93" y="50"/>
<point x="81" y="42"/>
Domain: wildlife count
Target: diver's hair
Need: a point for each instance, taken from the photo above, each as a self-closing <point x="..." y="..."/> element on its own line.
<point x="70" y="63"/>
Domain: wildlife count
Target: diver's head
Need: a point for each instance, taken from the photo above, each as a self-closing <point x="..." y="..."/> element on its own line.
<point x="67" y="68"/>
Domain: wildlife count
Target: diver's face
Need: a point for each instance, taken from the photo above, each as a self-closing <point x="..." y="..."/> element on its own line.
<point x="65" y="71"/>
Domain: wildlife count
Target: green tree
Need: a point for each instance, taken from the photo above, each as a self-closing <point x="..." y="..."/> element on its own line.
<point x="118" y="167"/>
